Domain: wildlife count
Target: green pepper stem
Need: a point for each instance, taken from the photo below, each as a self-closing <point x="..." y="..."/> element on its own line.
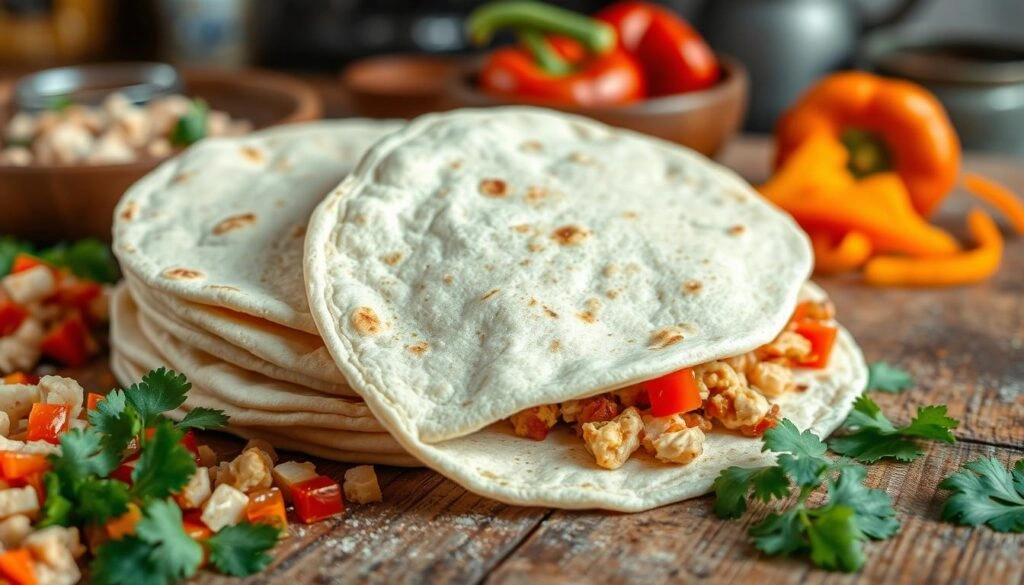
<point x="869" y="153"/>
<point x="546" y="57"/>
<point x="597" y="36"/>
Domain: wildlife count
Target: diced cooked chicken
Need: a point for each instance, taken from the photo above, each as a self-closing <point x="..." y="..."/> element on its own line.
<point x="633" y="396"/>
<point x="133" y="127"/>
<point x="612" y="442"/>
<point x="20" y="128"/>
<point x="111" y="148"/>
<point x="788" y="346"/>
<point x="249" y="471"/>
<point x="655" y="426"/>
<point x="264" y="446"/>
<point x="23" y="500"/>
<point x="570" y="409"/>
<point x="361" y="485"/>
<point x="738" y="407"/>
<point x="20" y="350"/>
<point x="217" y="123"/>
<point x="54" y="549"/>
<point x="35" y="447"/>
<point x="16" y="156"/>
<point x="196" y="491"/>
<point x="5" y="424"/>
<point x="289" y="473"/>
<point x="29" y="286"/>
<point x="159" y="148"/>
<point x="207" y="456"/>
<point x="742" y="363"/>
<point x="535" y="422"/>
<point x="115" y="104"/>
<point x="771" y="379"/>
<point x="225" y="507"/>
<point x="818" y="310"/>
<point x="60" y="390"/>
<point x="13" y="531"/>
<point x="679" y="446"/>
<point x="716" y="376"/>
<point x="16" y="401"/>
<point x="67" y="142"/>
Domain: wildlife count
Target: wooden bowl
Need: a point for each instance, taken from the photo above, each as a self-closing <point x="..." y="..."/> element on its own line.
<point x="702" y="120"/>
<point x="400" y="86"/>
<point x="51" y="203"/>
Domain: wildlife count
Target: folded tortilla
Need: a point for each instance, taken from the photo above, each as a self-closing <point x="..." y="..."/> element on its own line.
<point x="479" y="263"/>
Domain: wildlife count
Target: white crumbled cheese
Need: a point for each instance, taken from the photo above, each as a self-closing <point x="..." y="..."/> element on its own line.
<point x="225" y="507"/>
<point x="29" y="286"/>
<point x="612" y="442"/>
<point x="13" y="531"/>
<point x="361" y="485"/>
<point x="60" y="390"/>
<point x="249" y="471"/>
<point x="262" y="445"/>
<point x="23" y="500"/>
<point x="33" y="447"/>
<point x="682" y="446"/>
<point x="289" y="473"/>
<point x="196" y="491"/>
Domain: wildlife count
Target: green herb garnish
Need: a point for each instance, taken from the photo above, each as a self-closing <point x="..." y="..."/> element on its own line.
<point x="985" y="492"/>
<point x="886" y="378"/>
<point x="191" y="126"/>
<point x="870" y="436"/>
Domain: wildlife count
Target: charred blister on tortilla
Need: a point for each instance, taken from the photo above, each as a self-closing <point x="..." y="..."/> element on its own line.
<point x="669" y="416"/>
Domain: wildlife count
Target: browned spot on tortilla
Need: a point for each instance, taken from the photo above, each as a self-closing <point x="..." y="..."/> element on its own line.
<point x="233" y="223"/>
<point x="550" y="313"/>
<point x="610" y="270"/>
<point x="283" y="166"/>
<point x="630" y="215"/>
<point x="522" y="228"/>
<point x="741" y="197"/>
<point x="181" y="177"/>
<point x="536" y="194"/>
<point x="535" y="246"/>
<point x="532" y="302"/>
<point x="531" y="146"/>
<point x="692" y="286"/>
<point x="666" y="337"/>
<point x="299" y="232"/>
<point x="587" y="317"/>
<point x="419" y="348"/>
<point x="252" y="153"/>
<point x="581" y="158"/>
<point x="366" y="321"/>
<point x="447" y="279"/>
<point x="524" y="262"/>
<point x="556" y="345"/>
<point x="612" y="294"/>
<point x="494" y="187"/>
<point x="182" y="274"/>
<point x="490" y="294"/>
<point x="632" y="268"/>
<point x="359" y="219"/>
<point x="570" y="235"/>
<point x="222" y="287"/>
<point x="393" y="258"/>
<point x="455" y="164"/>
<point x="736" y="230"/>
<point x="129" y="211"/>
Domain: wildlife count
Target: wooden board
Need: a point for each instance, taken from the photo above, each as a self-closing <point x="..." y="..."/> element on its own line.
<point x="965" y="347"/>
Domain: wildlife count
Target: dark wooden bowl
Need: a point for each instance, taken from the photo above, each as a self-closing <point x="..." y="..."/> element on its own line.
<point x="400" y="86"/>
<point x="702" y="120"/>
<point x="51" y="203"/>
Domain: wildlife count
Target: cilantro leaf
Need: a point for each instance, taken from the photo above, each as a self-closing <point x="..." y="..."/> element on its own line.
<point x="87" y="258"/>
<point x="165" y="465"/>
<point x="159" y="391"/>
<point x="56" y="509"/>
<point x="876" y="516"/>
<point x="985" y="492"/>
<point x="174" y="553"/>
<point x="803" y="454"/>
<point x="191" y="127"/>
<point x="118" y="422"/>
<point x="9" y="248"/>
<point x="100" y="500"/>
<point x="733" y="484"/>
<point x="886" y="378"/>
<point x="81" y="456"/>
<point x="836" y="540"/>
<point x="871" y="436"/>
<point x="126" y="562"/>
<point x="779" y="534"/>
<point x="242" y="549"/>
<point x="203" y="418"/>
<point x="81" y="494"/>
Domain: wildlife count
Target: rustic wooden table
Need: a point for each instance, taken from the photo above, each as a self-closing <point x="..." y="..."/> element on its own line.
<point x="964" y="346"/>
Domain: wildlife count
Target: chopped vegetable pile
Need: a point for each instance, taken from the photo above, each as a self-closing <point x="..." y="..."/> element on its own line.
<point x="52" y="302"/>
<point x="114" y="476"/>
<point x="115" y="132"/>
<point x="669" y="416"/>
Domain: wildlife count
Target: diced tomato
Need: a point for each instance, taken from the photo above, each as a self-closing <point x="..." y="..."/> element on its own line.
<point x="68" y="342"/>
<point x="124" y="471"/>
<point x="12" y="316"/>
<point x="47" y="421"/>
<point x="317" y="498"/>
<point x="597" y="409"/>
<point x="124" y="525"/>
<point x="93" y="400"/>
<point x="18" y="466"/>
<point x="188" y="440"/>
<point x="822" y="338"/>
<point x="16" y="567"/>
<point x="80" y="296"/>
<point x="267" y="507"/>
<point x="193" y="524"/>
<point x="21" y="378"/>
<point x="673" y="393"/>
<point x="23" y="262"/>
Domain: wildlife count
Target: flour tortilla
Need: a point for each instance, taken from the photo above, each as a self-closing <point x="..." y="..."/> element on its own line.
<point x="477" y="263"/>
<point x="223" y="223"/>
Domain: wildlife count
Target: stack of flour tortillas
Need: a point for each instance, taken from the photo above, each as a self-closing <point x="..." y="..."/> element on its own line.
<point x="472" y="265"/>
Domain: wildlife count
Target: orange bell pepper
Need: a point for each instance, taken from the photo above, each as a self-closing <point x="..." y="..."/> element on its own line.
<point x="886" y="124"/>
<point x="124" y="525"/>
<point x="849" y="253"/>
<point x="46" y="422"/>
<point x="999" y="197"/>
<point x="267" y="507"/>
<point x="16" y="567"/>
<point x="15" y="466"/>
<point x="822" y="338"/>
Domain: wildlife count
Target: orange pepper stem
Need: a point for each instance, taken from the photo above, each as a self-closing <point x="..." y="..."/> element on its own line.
<point x="868" y="152"/>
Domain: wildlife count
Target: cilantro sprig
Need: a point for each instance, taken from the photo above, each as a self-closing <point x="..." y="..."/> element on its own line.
<point x="832" y="533"/>
<point x="191" y="126"/>
<point x="886" y="378"/>
<point x="870" y="436"/>
<point x="88" y="258"/>
<point x="985" y="492"/>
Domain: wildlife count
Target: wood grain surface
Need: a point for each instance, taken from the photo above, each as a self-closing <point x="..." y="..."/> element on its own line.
<point x="964" y="346"/>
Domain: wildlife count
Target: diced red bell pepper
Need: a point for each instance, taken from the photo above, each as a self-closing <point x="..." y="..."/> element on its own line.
<point x="21" y="378"/>
<point x="12" y="315"/>
<point x="188" y="440"/>
<point x="47" y="421"/>
<point x="822" y="338"/>
<point x="80" y="296"/>
<point x="267" y="507"/>
<point x="673" y="393"/>
<point x="16" y="567"/>
<point x="18" y="466"/>
<point x="317" y="498"/>
<point x="123" y="472"/>
<point x="68" y="342"/>
<point x="93" y="400"/>
<point x="192" y="522"/>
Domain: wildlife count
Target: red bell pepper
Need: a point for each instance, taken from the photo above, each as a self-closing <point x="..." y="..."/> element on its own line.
<point x="822" y="338"/>
<point x="21" y="378"/>
<point x="16" y="466"/>
<point x="68" y="342"/>
<point x="317" y="498"/>
<point x="16" y="567"/>
<point x="80" y="296"/>
<point x="47" y="421"/>
<point x="12" y="315"/>
<point x="673" y="393"/>
<point x="192" y="522"/>
<point x="564" y="58"/>
<point x="673" y="56"/>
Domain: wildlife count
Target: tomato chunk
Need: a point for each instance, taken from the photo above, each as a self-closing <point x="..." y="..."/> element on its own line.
<point x="47" y="421"/>
<point x="16" y="567"/>
<point x="267" y="507"/>
<point x="822" y="338"/>
<point x="673" y="393"/>
<point x="19" y="466"/>
<point x="21" y="378"/>
<point x="93" y="400"/>
<point x="317" y="498"/>
<point x="80" y="296"/>
<point x="68" y="342"/>
<point x="12" y="315"/>
<point x="193" y="524"/>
